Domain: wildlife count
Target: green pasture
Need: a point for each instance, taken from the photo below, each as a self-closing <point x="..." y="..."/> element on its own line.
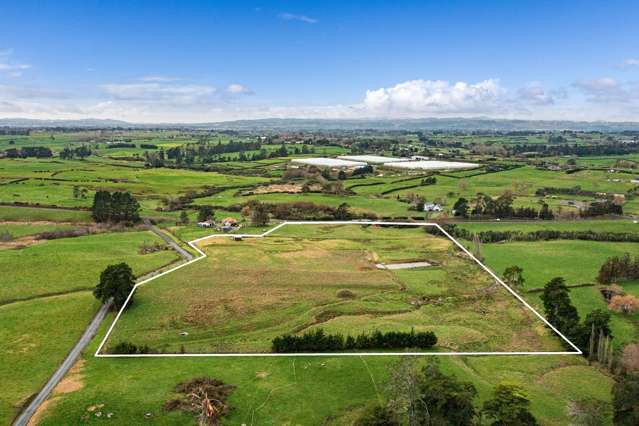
<point x="71" y="264"/>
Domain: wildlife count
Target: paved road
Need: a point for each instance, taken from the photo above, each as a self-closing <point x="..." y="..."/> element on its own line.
<point x="157" y="231"/>
<point x="91" y="330"/>
<point x="70" y="360"/>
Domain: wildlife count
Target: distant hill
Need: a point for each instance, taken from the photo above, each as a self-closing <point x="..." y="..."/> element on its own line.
<point x="292" y="124"/>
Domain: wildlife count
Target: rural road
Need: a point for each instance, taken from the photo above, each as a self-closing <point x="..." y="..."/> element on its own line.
<point x="157" y="231"/>
<point x="28" y="412"/>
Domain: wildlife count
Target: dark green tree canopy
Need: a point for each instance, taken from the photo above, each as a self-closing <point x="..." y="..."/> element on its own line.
<point x="115" y="207"/>
<point x="509" y="406"/>
<point x="116" y="282"/>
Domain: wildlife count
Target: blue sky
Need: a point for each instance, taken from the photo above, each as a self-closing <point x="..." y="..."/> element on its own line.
<point x="190" y="61"/>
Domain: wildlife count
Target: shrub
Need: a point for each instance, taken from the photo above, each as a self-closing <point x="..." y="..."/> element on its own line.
<point x="345" y="294"/>
<point x="131" y="349"/>
<point x="6" y="236"/>
<point x="627" y="304"/>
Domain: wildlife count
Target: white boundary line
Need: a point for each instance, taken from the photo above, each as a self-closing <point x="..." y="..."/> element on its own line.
<point x="193" y="245"/>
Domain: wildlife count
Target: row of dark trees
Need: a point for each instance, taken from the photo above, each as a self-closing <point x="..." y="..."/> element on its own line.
<point x="538" y="235"/>
<point x="619" y="268"/>
<point x="28" y="151"/>
<point x="578" y="150"/>
<point x="562" y="314"/>
<point x="81" y="152"/>
<point x="602" y="208"/>
<point x="115" y="207"/>
<point x="575" y="190"/>
<point x="500" y="207"/>
<point x="319" y="341"/>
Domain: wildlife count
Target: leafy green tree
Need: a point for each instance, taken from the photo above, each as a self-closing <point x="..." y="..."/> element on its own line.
<point x="461" y="207"/>
<point x="588" y="412"/>
<point x="509" y="406"/>
<point x="259" y="214"/>
<point x="545" y="213"/>
<point x="115" y="207"/>
<point x="116" y="282"/>
<point x="184" y="217"/>
<point x="625" y="401"/>
<point x="377" y="415"/>
<point x="101" y="209"/>
<point x="559" y="309"/>
<point x="445" y="399"/>
<point x="342" y="212"/>
<point x="205" y="213"/>
<point x="514" y="277"/>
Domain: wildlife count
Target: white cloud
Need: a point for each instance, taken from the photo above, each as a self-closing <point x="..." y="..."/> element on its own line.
<point x="294" y="17"/>
<point x="11" y="68"/>
<point x="631" y="62"/>
<point x="238" y="89"/>
<point x="158" y="78"/>
<point x="176" y="93"/>
<point x="535" y="94"/>
<point x="419" y="97"/>
<point x="607" y="90"/>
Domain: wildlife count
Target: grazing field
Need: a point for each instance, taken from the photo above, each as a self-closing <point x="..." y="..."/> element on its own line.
<point x="578" y="262"/>
<point x="51" y="266"/>
<point x="247" y="292"/>
<point x="35" y="337"/>
<point x="276" y="391"/>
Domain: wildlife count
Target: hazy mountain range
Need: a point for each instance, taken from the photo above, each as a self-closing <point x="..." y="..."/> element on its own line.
<point x="293" y="124"/>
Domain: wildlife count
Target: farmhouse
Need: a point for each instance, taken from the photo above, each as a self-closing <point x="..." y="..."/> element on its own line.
<point x="206" y="224"/>
<point x="228" y="224"/>
<point x="432" y="207"/>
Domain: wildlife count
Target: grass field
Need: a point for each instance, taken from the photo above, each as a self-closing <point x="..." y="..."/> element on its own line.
<point x="245" y="293"/>
<point x="576" y="261"/>
<point x="292" y="284"/>
<point x="277" y="391"/>
<point x="52" y="266"/>
<point x="35" y="337"/>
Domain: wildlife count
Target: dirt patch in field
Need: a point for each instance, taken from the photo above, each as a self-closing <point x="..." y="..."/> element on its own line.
<point x="34" y="222"/>
<point x="20" y="243"/>
<point x="276" y="188"/>
<point x="72" y="382"/>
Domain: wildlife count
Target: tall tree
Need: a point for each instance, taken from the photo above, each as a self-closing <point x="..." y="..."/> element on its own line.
<point x="116" y="282"/>
<point x="559" y="309"/>
<point x="461" y="207"/>
<point x="101" y="209"/>
<point x="514" y="277"/>
<point x="509" y="406"/>
<point x="259" y="214"/>
<point x="445" y="399"/>
<point x="625" y="401"/>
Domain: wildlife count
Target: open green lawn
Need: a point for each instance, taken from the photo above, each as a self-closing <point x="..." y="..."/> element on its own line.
<point x="577" y="261"/>
<point x="70" y="264"/>
<point x="229" y="303"/>
<point x="28" y="214"/>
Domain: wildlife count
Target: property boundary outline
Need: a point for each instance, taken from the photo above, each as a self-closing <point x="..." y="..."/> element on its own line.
<point x="202" y="255"/>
